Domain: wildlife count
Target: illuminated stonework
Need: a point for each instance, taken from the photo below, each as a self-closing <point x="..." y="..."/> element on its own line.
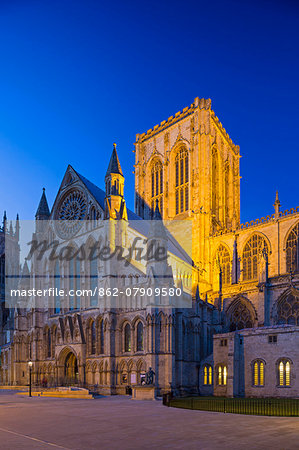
<point x="245" y="279"/>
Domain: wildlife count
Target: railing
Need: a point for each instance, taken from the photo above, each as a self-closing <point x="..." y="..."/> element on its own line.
<point x="253" y="406"/>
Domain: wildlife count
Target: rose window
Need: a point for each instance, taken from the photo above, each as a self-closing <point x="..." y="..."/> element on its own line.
<point x="71" y="212"/>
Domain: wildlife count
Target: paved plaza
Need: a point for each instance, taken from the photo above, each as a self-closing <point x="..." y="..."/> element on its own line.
<point x="121" y="423"/>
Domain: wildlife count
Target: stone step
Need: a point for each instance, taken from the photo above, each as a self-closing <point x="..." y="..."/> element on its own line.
<point x="84" y="394"/>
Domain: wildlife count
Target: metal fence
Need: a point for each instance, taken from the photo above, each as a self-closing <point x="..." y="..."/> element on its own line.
<point x="253" y="406"/>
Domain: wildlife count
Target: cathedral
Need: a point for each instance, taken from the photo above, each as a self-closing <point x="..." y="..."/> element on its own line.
<point x="228" y="324"/>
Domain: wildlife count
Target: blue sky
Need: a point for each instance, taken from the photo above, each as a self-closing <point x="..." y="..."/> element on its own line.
<point x="77" y="76"/>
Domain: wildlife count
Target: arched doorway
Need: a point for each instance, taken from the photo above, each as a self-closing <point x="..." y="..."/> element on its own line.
<point x="71" y="372"/>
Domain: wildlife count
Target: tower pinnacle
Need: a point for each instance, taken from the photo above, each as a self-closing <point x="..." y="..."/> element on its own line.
<point x="276" y="206"/>
<point x="114" y="164"/>
<point x="43" y="211"/>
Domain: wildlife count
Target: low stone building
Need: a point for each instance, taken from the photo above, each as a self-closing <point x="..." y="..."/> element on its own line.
<point x="257" y="362"/>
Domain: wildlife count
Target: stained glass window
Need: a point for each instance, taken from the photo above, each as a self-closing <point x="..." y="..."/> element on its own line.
<point x="251" y="255"/>
<point x="181" y="181"/>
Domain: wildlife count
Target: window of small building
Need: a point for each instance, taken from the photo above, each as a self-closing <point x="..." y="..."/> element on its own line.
<point x="222" y="375"/>
<point x="258" y="373"/>
<point x="284" y="373"/>
<point x="207" y="375"/>
<point x="272" y="339"/>
<point x="223" y="343"/>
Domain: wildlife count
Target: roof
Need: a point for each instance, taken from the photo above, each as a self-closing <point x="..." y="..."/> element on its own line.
<point x="114" y="164"/>
<point x="43" y="207"/>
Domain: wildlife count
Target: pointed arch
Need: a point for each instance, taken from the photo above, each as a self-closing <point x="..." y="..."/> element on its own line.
<point x="156" y="180"/>
<point x="286" y="308"/>
<point x="181" y="163"/>
<point x="127" y="337"/>
<point x="291" y="248"/>
<point x="253" y="249"/>
<point x="140" y="337"/>
<point x="100" y="334"/>
<point x="240" y="314"/>
<point x="223" y="263"/>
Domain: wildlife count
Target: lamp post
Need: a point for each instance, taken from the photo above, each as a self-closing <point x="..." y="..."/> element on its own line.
<point x="30" y="363"/>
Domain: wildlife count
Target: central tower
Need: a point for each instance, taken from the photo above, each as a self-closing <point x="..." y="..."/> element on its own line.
<point x="191" y="166"/>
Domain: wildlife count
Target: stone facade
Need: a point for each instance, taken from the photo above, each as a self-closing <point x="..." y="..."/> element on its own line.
<point x="260" y="362"/>
<point x="243" y="276"/>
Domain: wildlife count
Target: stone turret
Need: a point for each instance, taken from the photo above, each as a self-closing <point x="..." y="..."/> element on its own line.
<point x="17" y="227"/>
<point x="276" y="206"/>
<point x="115" y="205"/>
<point x="42" y="212"/>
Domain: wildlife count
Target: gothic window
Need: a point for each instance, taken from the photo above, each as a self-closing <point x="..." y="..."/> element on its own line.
<point x="224" y="263"/>
<point x="181" y="181"/>
<point x="215" y="185"/>
<point x="93" y="338"/>
<point x="93" y="281"/>
<point x="127" y="338"/>
<point x="226" y="194"/>
<point x="291" y="249"/>
<point x="284" y="373"/>
<point x="157" y="186"/>
<point x="57" y="287"/>
<point x="70" y="214"/>
<point x="222" y="375"/>
<point x="49" y="343"/>
<point x="288" y="311"/>
<point x="207" y="375"/>
<point x="139" y="337"/>
<point x="240" y="317"/>
<point x="251" y="255"/>
<point x="101" y="333"/>
<point x="74" y="282"/>
<point x="258" y="373"/>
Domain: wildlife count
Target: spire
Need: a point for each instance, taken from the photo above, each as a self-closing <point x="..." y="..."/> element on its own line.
<point x="114" y="164"/>
<point x="4" y="221"/>
<point x="17" y="232"/>
<point x="276" y="206"/>
<point x="43" y="211"/>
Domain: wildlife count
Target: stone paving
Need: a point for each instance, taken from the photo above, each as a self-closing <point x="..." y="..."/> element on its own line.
<point x="121" y="423"/>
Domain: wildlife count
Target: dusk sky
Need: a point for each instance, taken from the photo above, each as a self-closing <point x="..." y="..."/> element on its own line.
<point x="77" y="76"/>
